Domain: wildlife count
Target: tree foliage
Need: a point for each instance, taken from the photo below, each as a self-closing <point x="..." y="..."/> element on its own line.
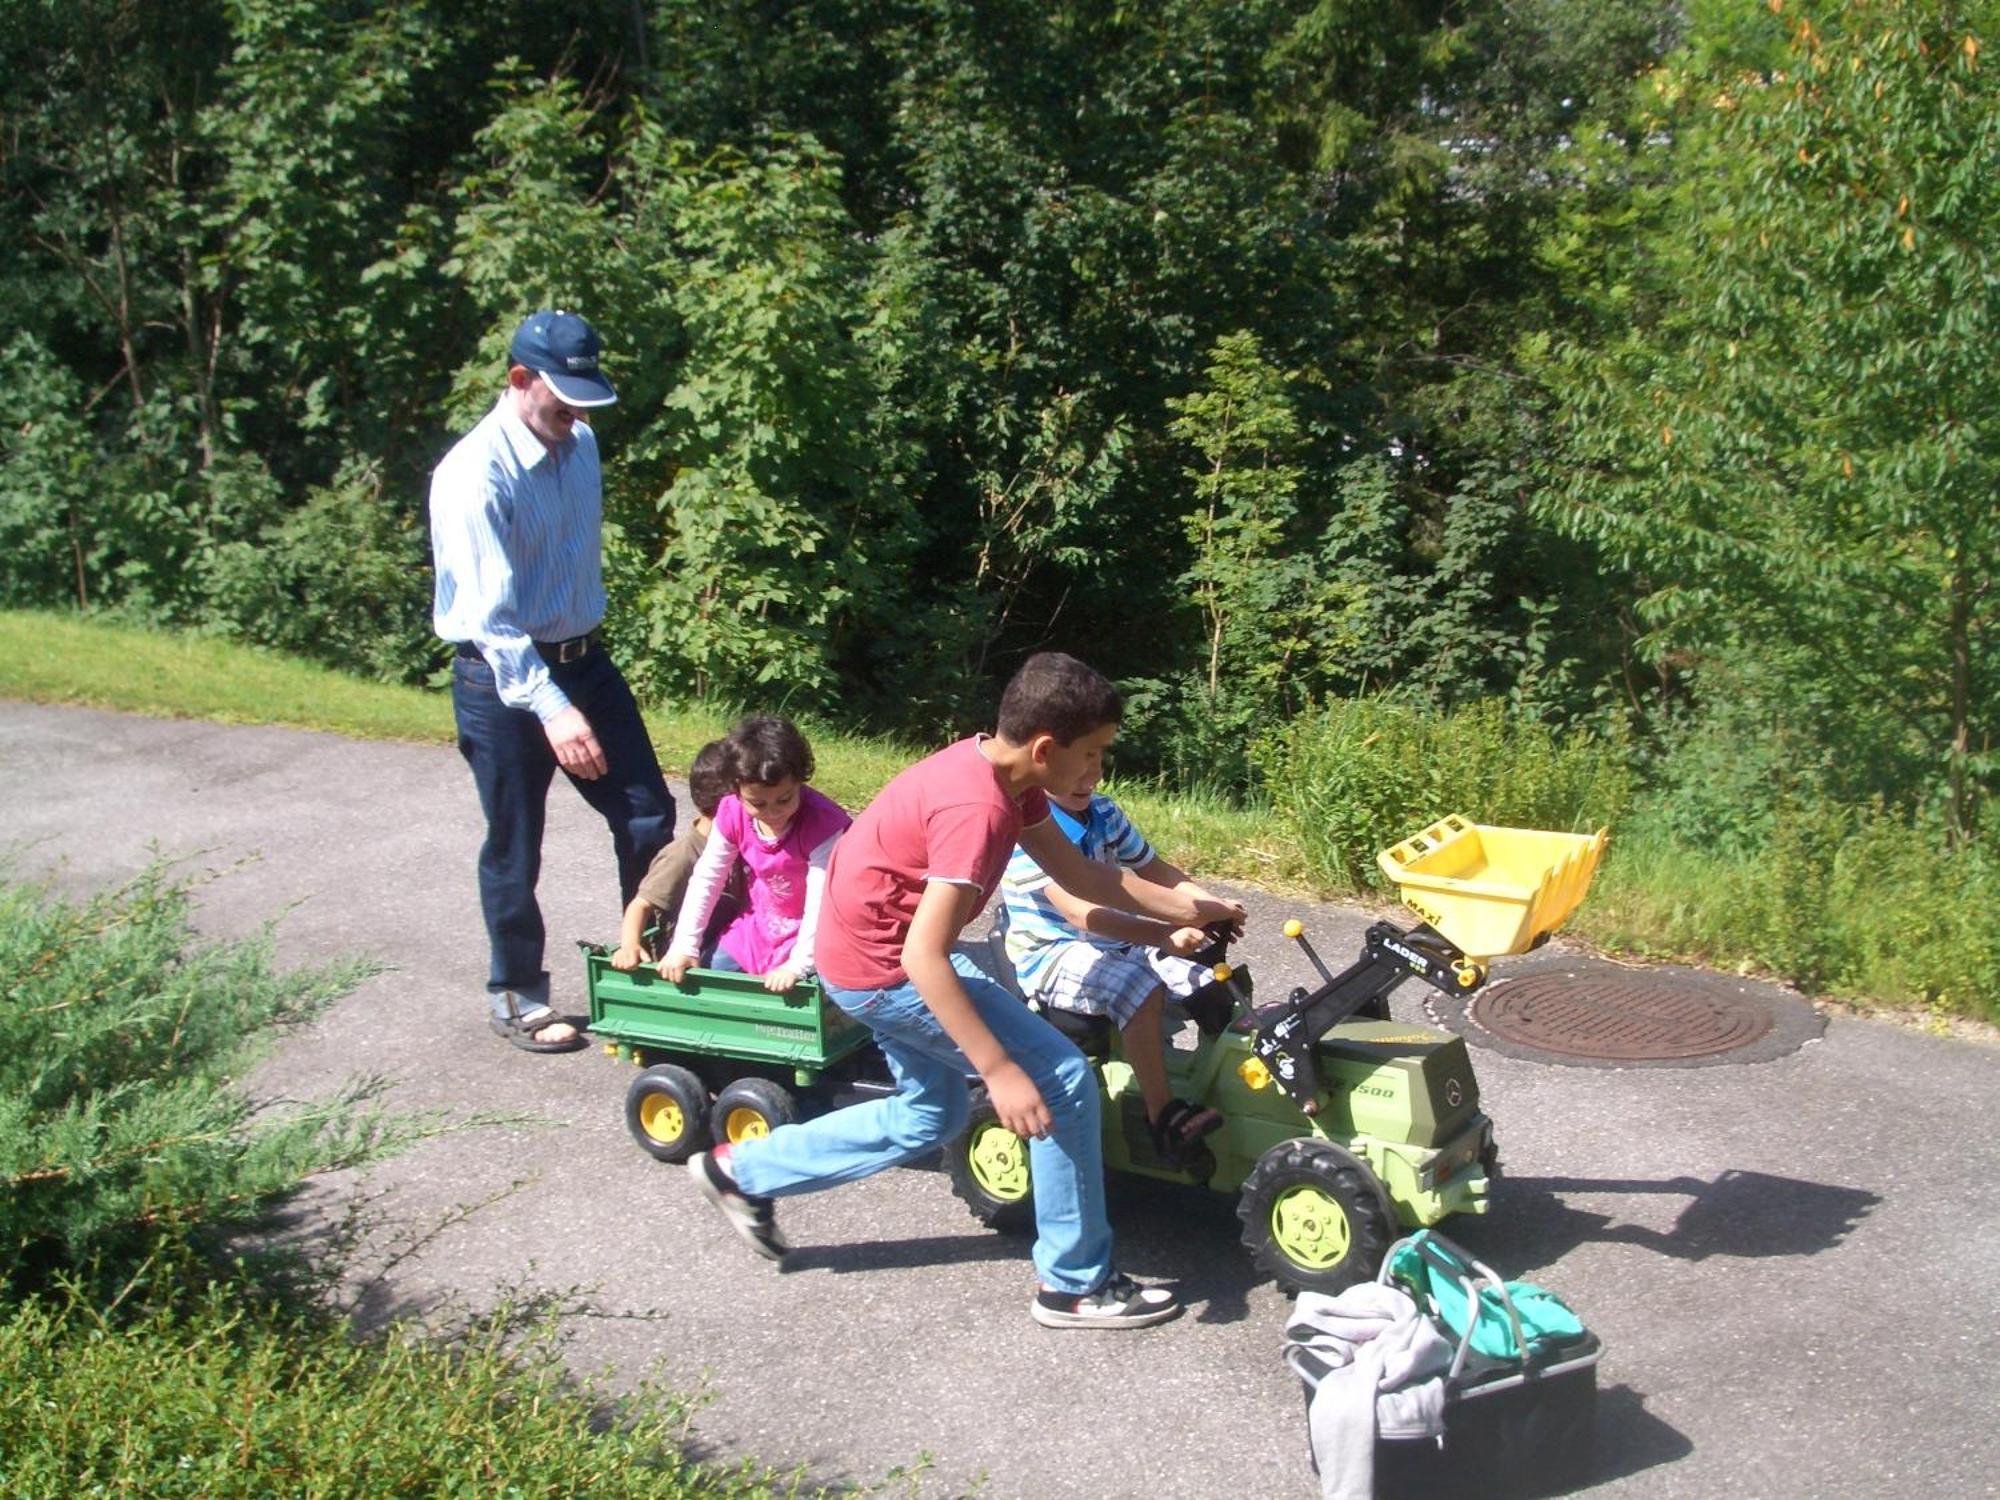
<point x="1792" y="440"/>
<point x="123" y="1135"/>
<point x="1614" y="363"/>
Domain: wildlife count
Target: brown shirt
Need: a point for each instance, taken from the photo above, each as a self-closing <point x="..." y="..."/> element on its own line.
<point x="666" y="882"/>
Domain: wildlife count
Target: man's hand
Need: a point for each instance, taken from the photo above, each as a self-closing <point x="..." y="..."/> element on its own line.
<point x="628" y="956"/>
<point x="575" y="744"/>
<point x="675" y="966"/>
<point x="780" y="980"/>
<point x="1185" y="942"/>
<point x="1017" y="1101"/>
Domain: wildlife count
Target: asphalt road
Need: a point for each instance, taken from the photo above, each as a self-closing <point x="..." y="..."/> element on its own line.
<point x="1794" y="1263"/>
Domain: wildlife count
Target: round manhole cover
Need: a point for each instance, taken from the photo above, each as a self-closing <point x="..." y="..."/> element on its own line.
<point x="1619" y="1019"/>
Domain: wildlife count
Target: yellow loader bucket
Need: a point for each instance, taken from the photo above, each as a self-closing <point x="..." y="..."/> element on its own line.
<point x="1492" y="891"/>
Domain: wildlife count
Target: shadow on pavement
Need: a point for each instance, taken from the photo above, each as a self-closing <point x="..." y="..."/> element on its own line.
<point x="1751" y="1215"/>
<point x="888" y="1255"/>
<point x="1631" y="1439"/>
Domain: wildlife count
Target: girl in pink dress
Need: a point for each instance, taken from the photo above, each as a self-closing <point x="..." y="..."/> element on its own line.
<point x="783" y="831"/>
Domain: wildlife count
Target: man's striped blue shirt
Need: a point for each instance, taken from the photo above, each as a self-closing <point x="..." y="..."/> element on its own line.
<point x="517" y="537"/>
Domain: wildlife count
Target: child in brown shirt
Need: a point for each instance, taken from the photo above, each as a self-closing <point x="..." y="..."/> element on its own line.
<point x="658" y="901"/>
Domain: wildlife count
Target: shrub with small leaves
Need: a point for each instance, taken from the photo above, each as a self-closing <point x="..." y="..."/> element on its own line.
<point x="123" y="1131"/>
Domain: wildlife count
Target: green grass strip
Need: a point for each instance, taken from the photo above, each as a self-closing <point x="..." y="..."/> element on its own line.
<point x="56" y="658"/>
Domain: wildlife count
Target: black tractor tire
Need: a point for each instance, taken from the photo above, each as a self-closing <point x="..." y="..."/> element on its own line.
<point x="989" y="1171"/>
<point x="1313" y="1216"/>
<point x="666" y="1110"/>
<point x="749" y="1108"/>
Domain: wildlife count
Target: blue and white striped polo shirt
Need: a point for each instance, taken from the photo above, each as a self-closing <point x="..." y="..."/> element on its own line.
<point x="1035" y="927"/>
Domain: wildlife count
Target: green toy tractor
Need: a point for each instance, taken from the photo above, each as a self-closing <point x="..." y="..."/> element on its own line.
<point x="1342" y="1129"/>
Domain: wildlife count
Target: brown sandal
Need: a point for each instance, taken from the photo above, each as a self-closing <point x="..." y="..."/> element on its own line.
<point x="521" y="1027"/>
<point x="1180" y="1127"/>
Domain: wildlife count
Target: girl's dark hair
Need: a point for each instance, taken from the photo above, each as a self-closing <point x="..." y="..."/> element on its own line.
<point x="765" y="748"/>
<point x="1057" y="695"/>
<point x="709" y="778"/>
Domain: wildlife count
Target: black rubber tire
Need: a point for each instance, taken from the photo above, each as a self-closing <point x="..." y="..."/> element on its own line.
<point x="1312" y="1216"/>
<point x="988" y="1166"/>
<point x="666" y="1110"/>
<point x="750" y="1107"/>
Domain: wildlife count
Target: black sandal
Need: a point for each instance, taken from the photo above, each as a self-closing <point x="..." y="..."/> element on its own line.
<point x="1179" y="1129"/>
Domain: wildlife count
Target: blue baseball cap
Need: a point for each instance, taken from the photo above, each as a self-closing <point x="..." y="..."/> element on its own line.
<point x="562" y="348"/>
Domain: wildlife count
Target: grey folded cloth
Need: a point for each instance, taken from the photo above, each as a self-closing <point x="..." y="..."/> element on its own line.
<point x="1384" y="1366"/>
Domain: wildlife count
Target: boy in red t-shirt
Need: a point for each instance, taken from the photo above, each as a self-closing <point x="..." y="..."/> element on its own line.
<point x="919" y="864"/>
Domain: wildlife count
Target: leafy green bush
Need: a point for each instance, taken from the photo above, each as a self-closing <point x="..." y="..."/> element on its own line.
<point x="141" y="1352"/>
<point x="120" y="1134"/>
<point x="1355" y="776"/>
<point x="218" y="1399"/>
<point x="341" y="580"/>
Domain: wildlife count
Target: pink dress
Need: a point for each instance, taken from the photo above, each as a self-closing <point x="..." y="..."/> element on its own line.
<point x="766" y="932"/>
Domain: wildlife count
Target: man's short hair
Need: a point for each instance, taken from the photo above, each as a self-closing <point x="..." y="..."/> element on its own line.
<point x="1057" y="695"/>
<point x="711" y="777"/>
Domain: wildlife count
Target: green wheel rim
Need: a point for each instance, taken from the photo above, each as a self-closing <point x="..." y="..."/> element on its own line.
<point x="1311" y="1228"/>
<point x="661" y="1118"/>
<point x="999" y="1162"/>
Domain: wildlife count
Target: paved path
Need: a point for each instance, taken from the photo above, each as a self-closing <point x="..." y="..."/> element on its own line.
<point x="1793" y="1263"/>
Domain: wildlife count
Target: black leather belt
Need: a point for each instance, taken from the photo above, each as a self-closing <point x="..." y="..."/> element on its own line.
<point x="570" y="650"/>
<point x="573" y="649"/>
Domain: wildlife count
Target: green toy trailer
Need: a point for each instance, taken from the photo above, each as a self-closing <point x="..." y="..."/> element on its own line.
<point x="723" y="1058"/>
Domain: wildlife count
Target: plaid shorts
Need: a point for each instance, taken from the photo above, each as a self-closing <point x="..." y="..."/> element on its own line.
<point x="1113" y="979"/>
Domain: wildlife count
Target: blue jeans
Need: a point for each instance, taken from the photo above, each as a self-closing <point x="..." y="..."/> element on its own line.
<point x="930" y="1106"/>
<point x="512" y="765"/>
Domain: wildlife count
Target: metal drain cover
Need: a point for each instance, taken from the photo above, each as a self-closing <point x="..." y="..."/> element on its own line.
<point x="1619" y="1018"/>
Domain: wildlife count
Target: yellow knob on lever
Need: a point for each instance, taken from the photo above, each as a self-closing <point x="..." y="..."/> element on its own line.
<point x="1294" y="929"/>
<point x="1222" y="973"/>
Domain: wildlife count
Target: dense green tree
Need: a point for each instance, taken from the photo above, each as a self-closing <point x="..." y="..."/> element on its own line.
<point x="905" y="298"/>
<point x="1795" y="444"/>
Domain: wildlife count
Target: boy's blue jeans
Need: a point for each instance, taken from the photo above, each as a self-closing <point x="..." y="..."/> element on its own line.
<point x="929" y="1107"/>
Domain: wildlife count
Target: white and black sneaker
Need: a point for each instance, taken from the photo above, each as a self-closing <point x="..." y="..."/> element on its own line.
<point x="1120" y="1303"/>
<point x="750" y="1217"/>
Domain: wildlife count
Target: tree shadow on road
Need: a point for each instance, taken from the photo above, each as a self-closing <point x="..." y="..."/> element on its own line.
<point x="1750" y="1215"/>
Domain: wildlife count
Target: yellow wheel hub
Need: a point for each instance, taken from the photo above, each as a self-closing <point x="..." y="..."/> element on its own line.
<point x="661" y="1118"/>
<point x="1311" y="1227"/>
<point x="745" y="1124"/>
<point x="999" y="1162"/>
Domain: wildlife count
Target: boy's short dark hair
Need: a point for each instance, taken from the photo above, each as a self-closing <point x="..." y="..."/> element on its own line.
<point x="765" y="749"/>
<point x="710" y="777"/>
<point x="1057" y="695"/>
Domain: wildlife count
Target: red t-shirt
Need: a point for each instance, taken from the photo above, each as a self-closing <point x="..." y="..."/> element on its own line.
<point x="944" y="818"/>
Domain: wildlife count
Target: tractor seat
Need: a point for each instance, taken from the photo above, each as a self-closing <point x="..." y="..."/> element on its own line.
<point x="1092" y="1034"/>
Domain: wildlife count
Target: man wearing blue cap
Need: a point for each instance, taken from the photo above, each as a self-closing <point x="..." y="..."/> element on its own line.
<point x="516" y="533"/>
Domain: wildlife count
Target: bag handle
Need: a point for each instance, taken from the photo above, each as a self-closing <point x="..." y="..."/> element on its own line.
<point x="1452" y="1260"/>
